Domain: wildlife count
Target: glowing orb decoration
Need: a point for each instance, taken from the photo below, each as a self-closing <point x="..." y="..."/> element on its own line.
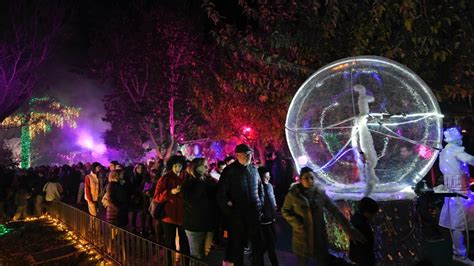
<point x="367" y="126"/>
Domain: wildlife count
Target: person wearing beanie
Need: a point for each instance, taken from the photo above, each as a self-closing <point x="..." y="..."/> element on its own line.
<point x="240" y="197"/>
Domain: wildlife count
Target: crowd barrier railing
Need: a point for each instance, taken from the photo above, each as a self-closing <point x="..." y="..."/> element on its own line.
<point x="118" y="244"/>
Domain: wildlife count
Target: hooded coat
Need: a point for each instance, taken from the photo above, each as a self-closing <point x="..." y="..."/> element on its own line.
<point x="304" y="211"/>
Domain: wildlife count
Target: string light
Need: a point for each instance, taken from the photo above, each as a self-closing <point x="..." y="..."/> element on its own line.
<point x="71" y="236"/>
<point x="25" y="143"/>
<point x="44" y="114"/>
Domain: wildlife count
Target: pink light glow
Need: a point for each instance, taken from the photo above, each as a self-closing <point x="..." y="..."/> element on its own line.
<point x="424" y="151"/>
<point x="247" y="130"/>
<point x="85" y="140"/>
<point x="100" y="148"/>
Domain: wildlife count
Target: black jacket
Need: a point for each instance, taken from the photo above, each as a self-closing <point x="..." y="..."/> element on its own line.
<point x="241" y="186"/>
<point x="362" y="254"/>
<point x="200" y="206"/>
<point x="118" y="195"/>
<point x="269" y="206"/>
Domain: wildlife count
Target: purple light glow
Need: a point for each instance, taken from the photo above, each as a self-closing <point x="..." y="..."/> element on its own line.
<point x="86" y="141"/>
<point x="196" y="150"/>
<point x="101" y="148"/>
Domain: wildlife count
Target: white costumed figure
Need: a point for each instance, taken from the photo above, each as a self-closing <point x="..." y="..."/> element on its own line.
<point x="362" y="140"/>
<point x="457" y="213"/>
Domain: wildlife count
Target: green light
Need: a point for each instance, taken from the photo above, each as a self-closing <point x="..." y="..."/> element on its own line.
<point x="4" y="230"/>
<point x="25" y="147"/>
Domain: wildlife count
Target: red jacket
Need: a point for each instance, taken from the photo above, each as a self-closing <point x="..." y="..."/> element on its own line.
<point x="174" y="207"/>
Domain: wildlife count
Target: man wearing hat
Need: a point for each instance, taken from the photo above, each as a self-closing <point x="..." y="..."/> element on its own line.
<point x="457" y="213"/>
<point x="240" y="197"/>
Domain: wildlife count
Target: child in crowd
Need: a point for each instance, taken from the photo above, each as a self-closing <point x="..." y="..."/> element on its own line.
<point x="268" y="217"/>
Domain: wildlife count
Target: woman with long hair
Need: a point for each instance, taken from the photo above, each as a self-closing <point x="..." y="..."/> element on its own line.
<point x="148" y="189"/>
<point x="117" y="200"/>
<point x="140" y="174"/>
<point x="168" y="190"/>
<point x="303" y="209"/>
<point x="200" y="208"/>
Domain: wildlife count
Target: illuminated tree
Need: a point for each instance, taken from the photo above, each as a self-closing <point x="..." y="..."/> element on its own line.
<point x="42" y="115"/>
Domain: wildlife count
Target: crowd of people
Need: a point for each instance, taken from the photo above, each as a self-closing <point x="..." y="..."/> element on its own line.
<point x="186" y="200"/>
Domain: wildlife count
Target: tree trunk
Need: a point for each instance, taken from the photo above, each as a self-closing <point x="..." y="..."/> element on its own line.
<point x="25" y="147"/>
<point x="172" y="122"/>
<point x="157" y="147"/>
<point x="261" y="151"/>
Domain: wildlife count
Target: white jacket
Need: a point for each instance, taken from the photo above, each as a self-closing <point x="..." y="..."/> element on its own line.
<point x="453" y="163"/>
<point x="53" y="191"/>
<point x="91" y="189"/>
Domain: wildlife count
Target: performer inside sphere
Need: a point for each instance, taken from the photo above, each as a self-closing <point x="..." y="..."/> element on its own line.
<point x="362" y="141"/>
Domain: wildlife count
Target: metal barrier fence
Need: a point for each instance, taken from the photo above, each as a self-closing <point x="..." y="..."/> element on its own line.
<point x="116" y="243"/>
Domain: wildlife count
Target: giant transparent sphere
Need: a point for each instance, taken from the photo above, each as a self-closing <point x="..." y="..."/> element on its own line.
<point x="364" y="119"/>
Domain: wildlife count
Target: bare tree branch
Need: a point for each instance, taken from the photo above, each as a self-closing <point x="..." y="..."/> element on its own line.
<point x="25" y="45"/>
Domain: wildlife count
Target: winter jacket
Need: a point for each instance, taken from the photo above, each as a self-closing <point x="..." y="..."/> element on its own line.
<point x="304" y="211"/>
<point x="53" y="191"/>
<point x="174" y="206"/>
<point x="200" y="205"/>
<point x="117" y="210"/>
<point x="135" y="183"/>
<point x="241" y="186"/>
<point x="362" y="253"/>
<point x="269" y="205"/>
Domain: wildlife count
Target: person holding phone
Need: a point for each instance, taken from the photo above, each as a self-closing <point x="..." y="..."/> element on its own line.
<point x="168" y="190"/>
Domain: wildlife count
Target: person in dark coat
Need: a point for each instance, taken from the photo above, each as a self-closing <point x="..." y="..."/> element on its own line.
<point x="240" y="197"/>
<point x="21" y="201"/>
<point x="268" y="217"/>
<point x="303" y="209"/>
<point x="148" y="190"/>
<point x="363" y="253"/>
<point x="200" y="208"/>
<point x="37" y="190"/>
<point x="135" y="183"/>
<point x="117" y="200"/>
<point x="168" y="190"/>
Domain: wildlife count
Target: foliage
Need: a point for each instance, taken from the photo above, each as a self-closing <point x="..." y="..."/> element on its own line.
<point x="274" y="46"/>
<point x="159" y="62"/>
<point x="151" y="55"/>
